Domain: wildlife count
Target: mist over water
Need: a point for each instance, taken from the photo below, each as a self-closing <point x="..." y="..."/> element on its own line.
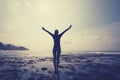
<point x="15" y="53"/>
<point x="25" y="53"/>
<point x="48" y="53"/>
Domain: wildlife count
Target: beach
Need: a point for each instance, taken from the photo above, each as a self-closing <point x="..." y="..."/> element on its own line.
<point x="73" y="66"/>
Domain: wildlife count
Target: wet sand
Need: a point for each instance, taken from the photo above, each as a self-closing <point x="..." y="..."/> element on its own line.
<point x="72" y="67"/>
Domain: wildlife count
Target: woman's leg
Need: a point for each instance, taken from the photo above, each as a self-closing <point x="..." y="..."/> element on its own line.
<point x="54" y="60"/>
<point x="58" y="58"/>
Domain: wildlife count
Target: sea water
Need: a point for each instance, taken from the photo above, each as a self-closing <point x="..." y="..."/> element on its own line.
<point x="80" y="65"/>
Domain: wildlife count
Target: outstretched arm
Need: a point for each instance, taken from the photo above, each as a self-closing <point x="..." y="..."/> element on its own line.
<point x="47" y="31"/>
<point x="65" y="30"/>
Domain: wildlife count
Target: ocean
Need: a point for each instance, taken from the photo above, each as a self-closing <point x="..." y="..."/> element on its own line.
<point x="79" y="65"/>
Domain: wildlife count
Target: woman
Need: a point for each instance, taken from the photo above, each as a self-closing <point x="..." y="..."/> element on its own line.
<point x="57" y="48"/>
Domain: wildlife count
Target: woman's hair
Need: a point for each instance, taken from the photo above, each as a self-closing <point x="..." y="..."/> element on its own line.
<point x="56" y="31"/>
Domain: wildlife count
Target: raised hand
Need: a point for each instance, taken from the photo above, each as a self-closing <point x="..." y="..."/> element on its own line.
<point x="70" y="26"/>
<point x="47" y="31"/>
<point x="65" y="30"/>
<point x="43" y="28"/>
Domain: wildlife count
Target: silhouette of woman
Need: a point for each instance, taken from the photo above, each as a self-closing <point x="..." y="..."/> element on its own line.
<point x="56" y="48"/>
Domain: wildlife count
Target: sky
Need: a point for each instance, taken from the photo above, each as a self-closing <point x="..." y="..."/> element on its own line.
<point x="95" y="24"/>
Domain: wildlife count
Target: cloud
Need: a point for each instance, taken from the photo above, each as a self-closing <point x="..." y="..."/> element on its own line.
<point x="112" y="32"/>
<point x="21" y="22"/>
<point x="116" y="24"/>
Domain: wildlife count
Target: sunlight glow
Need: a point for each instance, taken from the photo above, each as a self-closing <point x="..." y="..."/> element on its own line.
<point x="45" y="8"/>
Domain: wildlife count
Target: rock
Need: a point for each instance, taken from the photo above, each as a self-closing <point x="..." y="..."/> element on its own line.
<point x="44" y="69"/>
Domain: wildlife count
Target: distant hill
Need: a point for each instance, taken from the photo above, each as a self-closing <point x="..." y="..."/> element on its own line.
<point x="11" y="47"/>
